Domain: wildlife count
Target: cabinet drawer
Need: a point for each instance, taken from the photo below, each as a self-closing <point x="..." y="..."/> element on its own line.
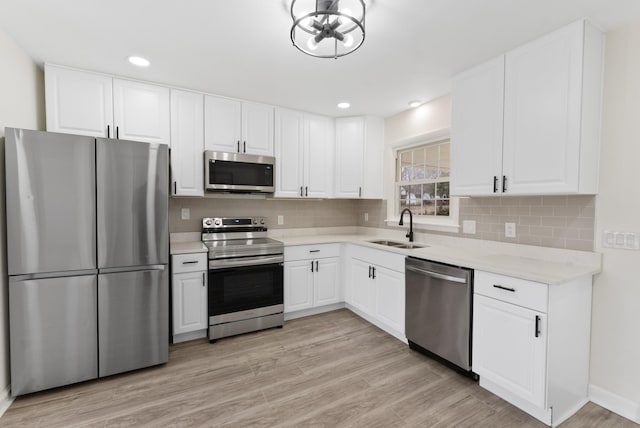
<point x="189" y="262"/>
<point x="306" y="252"/>
<point x="528" y="294"/>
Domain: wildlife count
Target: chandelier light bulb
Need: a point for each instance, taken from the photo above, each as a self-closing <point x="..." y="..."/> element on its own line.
<point x="348" y="40"/>
<point x="311" y="43"/>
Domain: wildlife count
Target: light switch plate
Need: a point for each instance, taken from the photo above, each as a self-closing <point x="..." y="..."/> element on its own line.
<point x="366" y="216"/>
<point x="510" y="230"/>
<point x="185" y="213"/>
<point x="280" y="220"/>
<point x="469" y="226"/>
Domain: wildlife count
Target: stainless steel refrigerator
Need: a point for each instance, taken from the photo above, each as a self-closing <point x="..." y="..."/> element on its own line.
<point x="87" y="252"/>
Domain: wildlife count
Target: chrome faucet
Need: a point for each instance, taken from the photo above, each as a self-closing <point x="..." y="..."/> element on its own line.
<point x="401" y="223"/>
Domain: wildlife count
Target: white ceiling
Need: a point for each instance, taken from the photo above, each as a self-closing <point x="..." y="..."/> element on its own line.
<point x="241" y="48"/>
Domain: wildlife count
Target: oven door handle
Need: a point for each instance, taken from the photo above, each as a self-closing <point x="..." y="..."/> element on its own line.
<point x="245" y="261"/>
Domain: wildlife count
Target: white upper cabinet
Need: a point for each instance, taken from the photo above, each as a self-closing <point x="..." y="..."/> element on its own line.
<point x="550" y="123"/>
<point x="476" y="131"/>
<point x="78" y="102"/>
<point x="141" y="112"/>
<point x="359" y="157"/>
<point x="289" y="149"/>
<point x="235" y="126"/>
<point x="222" y="124"/>
<point x="187" y="143"/>
<point x="304" y="150"/>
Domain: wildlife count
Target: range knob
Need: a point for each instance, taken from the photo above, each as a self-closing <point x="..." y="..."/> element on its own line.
<point x="208" y="222"/>
<point x="255" y="221"/>
<point x="217" y="222"/>
<point x="261" y="221"/>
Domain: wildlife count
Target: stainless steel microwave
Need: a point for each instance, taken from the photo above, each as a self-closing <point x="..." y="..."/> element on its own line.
<point x="238" y="172"/>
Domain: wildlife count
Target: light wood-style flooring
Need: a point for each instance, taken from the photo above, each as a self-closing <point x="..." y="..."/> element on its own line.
<point x="329" y="370"/>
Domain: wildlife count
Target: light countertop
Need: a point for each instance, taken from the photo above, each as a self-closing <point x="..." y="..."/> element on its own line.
<point x="540" y="264"/>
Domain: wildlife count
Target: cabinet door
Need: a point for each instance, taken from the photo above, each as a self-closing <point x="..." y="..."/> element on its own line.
<point x="361" y="287"/>
<point x="319" y="155"/>
<point x="78" y="102"/>
<point x="222" y="129"/>
<point x="372" y="182"/>
<point x="189" y="302"/>
<point x="506" y="350"/>
<point x="298" y="285"/>
<point x="327" y="282"/>
<point x="390" y="301"/>
<point x="542" y="111"/>
<point x="141" y="112"/>
<point x="257" y="129"/>
<point x="187" y="143"/>
<point x="289" y="153"/>
<point x="476" y="130"/>
<point x="349" y="157"/>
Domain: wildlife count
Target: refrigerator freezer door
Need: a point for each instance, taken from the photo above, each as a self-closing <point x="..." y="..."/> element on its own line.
<point x="133" y="320"/>
<point x="133" y="189"/>
<point x="51" y="205"/>
<point x="53" y="332"/>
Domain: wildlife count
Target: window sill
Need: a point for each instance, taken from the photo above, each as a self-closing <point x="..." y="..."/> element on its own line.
<point x="447" y="225"/>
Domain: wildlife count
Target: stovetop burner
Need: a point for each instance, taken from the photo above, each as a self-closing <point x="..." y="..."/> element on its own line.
<point x="238" y="237"/>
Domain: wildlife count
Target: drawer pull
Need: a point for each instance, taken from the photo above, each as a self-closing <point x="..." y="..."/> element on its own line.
<point x="311" y="265"/>
<point x="314" y="251"/>
<point x="191" y="262"/>
<point x="537" y="325"/>
<point x="501" y="287"/>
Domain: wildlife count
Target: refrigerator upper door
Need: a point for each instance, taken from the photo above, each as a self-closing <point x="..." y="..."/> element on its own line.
<point x="50" y="199"/>
<point x="133" y="186"/>
<point x="53" y="332"/>
<point x="133" y="320"/>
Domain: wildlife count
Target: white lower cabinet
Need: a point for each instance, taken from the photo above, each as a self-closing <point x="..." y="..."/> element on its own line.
<point x="375" y="288"/>
<point x="311" y="277"/>
<point x="189" y="296"/>
<point x="531" y="343"/>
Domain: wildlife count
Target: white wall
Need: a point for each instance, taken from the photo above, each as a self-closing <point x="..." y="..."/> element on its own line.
<point x="409" y="125"/>
<point x="21" y="106"/>
<point x="615" y="347"/>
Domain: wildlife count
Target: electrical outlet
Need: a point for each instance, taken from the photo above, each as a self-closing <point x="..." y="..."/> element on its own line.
<point x="366" y="216"/>
<point x="185" y="213"/>
<point x="469" y="226"/>
<point x="510" y="230"/>
<point x="280" y="220"/>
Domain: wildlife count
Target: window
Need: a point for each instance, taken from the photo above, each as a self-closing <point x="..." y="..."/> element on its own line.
<point x="422" y="180"/>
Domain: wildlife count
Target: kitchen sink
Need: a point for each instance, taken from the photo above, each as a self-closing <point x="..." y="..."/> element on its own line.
<point x="394" y="244"/>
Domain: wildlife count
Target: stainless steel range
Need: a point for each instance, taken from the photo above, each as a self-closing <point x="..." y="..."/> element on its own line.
<point x="246" y="287"/>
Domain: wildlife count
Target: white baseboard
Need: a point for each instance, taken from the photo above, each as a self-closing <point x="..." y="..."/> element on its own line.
<point x="5" y="399"/>
<point x="312" y="311"/>
<point x="615" y="403"/>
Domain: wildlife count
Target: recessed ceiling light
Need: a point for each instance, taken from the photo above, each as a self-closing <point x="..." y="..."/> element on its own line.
<point x="344" y="105"/>
<point x="414" y="104"/>
<point x="139" y="61"/>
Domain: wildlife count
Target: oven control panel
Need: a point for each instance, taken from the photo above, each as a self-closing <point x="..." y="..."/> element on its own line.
<point x="236" y="223"/>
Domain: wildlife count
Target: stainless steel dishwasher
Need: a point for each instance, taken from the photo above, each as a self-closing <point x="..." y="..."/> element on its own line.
<point x="438" y="311"/>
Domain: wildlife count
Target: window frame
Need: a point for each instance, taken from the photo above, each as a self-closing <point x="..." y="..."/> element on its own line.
<point x="422" y="222"/>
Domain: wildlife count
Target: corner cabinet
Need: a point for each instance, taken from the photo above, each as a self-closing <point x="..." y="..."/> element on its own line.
<point x="237" y="126"/>
<point x="359" y="157"/>
<point x="531" y="343"/>
<point x="189" y="296"/>
<point x="97" y="105"/>
<point x="187" y="143"/>
<point x="375" y="288"/>
<point x="311" y="277"/>
<point x="528" y="122"/>
<point x="304" y="148"/>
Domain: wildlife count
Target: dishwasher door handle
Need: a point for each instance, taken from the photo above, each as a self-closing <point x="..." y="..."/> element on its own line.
<point x="438" y="275"/>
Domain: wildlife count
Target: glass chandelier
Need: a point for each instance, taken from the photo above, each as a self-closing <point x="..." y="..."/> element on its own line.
<point x="327" y="28"/>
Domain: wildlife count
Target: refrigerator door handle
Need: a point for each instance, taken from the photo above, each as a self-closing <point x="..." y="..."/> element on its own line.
<point x="31" y="276"/>
<point x="133" y="269"/>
